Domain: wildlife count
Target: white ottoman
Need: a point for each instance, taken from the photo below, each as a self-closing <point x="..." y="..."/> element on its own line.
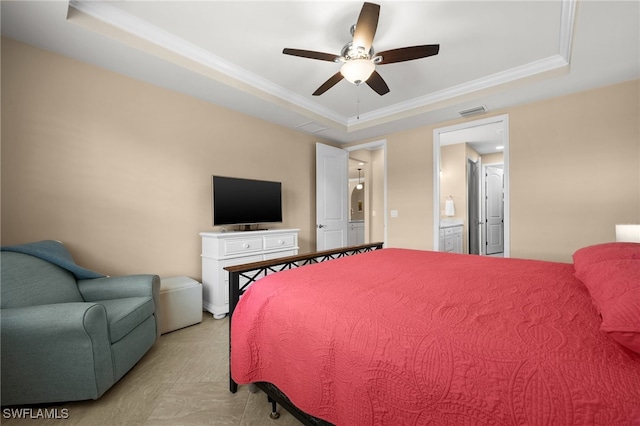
<point x="180" y="303"/>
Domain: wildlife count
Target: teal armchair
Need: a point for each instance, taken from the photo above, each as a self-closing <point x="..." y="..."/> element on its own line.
<point x="68" y="333"/>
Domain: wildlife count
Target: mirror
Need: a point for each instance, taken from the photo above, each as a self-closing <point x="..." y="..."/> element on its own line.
<point x="471" y="187"/>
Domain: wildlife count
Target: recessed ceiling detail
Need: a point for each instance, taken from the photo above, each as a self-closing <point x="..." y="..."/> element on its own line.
<point x="496" y="53"/>
<point x="219" y="68"/>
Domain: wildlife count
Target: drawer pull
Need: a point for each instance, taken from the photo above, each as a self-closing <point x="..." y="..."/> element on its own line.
<point x="280" y="242"/>
<point x="246" y="245"/>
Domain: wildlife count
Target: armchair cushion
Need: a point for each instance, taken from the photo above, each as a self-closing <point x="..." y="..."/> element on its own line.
<point x="102" y="290"/>
<point x="35" y="282"/>
<point x="123" y="315"/>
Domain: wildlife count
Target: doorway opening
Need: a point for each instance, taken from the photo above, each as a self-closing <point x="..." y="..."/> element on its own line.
<point x="333" y="197"/>
<point x="368" y="205"/>
<point x="460" y="154"/>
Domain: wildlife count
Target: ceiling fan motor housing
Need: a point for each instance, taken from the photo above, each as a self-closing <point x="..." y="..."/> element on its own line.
<point x="350" y="52"/>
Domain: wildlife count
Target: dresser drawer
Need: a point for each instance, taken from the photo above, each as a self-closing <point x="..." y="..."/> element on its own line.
<point x="244" y="245"/>
<point x="448" y="231"/>
<point x="279" y="241"/>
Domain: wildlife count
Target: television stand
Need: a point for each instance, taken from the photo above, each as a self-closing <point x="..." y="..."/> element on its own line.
<point x="247" y="228"/>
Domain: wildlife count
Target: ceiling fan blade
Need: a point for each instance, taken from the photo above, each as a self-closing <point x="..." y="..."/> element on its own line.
<point x="377" y="83"/>
<point x="310" y="54"/>
<point x="366" y="26"/>
<point x="328" y="84"/>
<point x="408" y="53"/>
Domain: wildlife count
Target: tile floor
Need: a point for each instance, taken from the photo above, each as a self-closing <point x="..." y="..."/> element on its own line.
<point x="182" y="380"/>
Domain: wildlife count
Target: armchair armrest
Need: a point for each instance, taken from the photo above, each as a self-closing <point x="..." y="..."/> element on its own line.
<point x="59" y="349"/>
<point x="107" y="288"/>
<point x="96" y="289"/>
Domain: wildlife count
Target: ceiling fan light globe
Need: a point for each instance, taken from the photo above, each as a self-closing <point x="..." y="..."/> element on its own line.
<point x="357" y="71"/>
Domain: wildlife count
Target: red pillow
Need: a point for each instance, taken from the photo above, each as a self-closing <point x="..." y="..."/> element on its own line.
<point x="614" y="286"/>
<point x="603" y="252"/>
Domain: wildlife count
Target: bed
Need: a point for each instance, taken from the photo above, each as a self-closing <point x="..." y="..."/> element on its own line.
<point x="409" y="337"/>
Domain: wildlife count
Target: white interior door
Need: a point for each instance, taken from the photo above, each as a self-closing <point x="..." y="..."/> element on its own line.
<point x="495" y="210"/>
<point x="332" y="214"/>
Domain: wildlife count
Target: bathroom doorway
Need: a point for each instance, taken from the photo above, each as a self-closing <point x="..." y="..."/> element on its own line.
<point x="484" y="141"/>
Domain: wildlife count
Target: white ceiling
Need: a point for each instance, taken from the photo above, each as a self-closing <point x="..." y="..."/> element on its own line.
<point x="492" y="53"/>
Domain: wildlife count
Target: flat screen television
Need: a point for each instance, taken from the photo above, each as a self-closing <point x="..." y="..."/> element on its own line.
<point x="239" y="201"/>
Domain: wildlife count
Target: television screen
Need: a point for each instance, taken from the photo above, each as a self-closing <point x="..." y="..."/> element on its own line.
<point x="246" y="201"/>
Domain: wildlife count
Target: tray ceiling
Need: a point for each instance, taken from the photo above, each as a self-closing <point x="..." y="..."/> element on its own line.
<point x="497" y="54"/>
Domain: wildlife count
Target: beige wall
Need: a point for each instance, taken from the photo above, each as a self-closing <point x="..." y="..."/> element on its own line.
<point x="575" y="173"/>
<point x="574" y="170"/>
<point x="120" y="170"/>
<point x="409" y="189"/>
<point x="495" y="158"/>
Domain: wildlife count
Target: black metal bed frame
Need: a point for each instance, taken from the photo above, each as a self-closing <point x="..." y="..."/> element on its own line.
<point x="251" y="272"/>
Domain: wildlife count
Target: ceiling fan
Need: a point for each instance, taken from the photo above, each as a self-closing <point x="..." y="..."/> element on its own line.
<point x="358" y="58"/>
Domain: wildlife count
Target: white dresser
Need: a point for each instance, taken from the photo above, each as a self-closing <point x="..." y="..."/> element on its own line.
<point x="222" y="249"/>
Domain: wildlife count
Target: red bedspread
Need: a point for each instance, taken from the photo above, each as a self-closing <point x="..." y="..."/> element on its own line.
<point x="404" y="337"/>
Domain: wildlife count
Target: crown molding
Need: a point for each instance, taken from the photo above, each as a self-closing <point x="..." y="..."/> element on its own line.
<point x="567" y="21"/>
<point x="259" y="86"/>
<point x="552" y="63"/>
<point x="536" y="68"/>
<point x="124" y="21"/>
